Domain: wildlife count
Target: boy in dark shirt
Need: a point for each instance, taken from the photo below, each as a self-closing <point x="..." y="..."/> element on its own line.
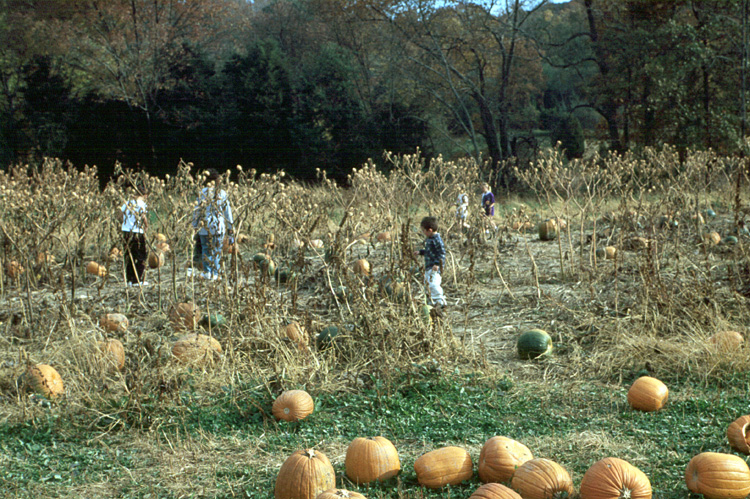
<point x="434" y="257"/>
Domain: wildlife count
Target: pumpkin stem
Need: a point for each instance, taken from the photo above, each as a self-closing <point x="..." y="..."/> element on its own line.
<point x="310" y="453"/>
<point x="625" y="494"/>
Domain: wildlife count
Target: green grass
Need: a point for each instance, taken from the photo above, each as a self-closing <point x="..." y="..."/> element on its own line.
<point x="574" y="424"/>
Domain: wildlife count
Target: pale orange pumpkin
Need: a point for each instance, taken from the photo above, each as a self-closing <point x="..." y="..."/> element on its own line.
<point x="362" y="267"/>
<point x="718" y="476"/>
<point x="500" y="457"/>
<point x="304" y="475"/>
<point x="114" y="323"/>
<point x="293" y="405"/>
<point x="713" y="238"/>
<point x="185" y="315"/>
<point x="542" y="479"/>
<point x="339" y="493"/>
<point x="160" y="238"/>
<point x="196" y="349"/>
<point x="92" y="268"/>
<point x="163" y="247"/>
<point x="647" y="394"/>
<point x="444" y="466"/>
<point x="613" y="478"/>
<point x="114" y="254"/>
<point x="294" y="332"/>
<point x="738" y="434"/>
<point x="112" y="352"/>
<point x="726" y="341"/>
<point x="370" y="459"/>
<point x="155" y="260"/>
<point x="494" y="491"/>
<point x="383" y="237"/>
<point x="44" y="380"/>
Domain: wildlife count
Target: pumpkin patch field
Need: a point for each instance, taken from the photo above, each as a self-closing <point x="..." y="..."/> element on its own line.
<point x="594" y="344"/>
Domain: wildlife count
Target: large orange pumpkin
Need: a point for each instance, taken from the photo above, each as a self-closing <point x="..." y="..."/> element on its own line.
<point x="738" y="434"/>
<point x="647" y="394"/>
<point x="500" y="457"/>
<point x="542" y="479"/>
<point x="185" y="315"/>
<point x="444" y="466"/>
<point x="112" y="353"/>
<point x="44" y="380"/>
<point x="339" y="493"/>
<point x="196" y="349"/>
<point x="370" y="459"/>
<point x="293" y="405"/>
<point x="613" y="478"/>
<point x="718" y="476"/>
<point x="304" y="475"/>
<point x="494" y="491"/>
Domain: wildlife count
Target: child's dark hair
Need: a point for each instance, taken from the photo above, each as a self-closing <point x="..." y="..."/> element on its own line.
<point x="212" y="174"/>
<point x="429" y="223"/>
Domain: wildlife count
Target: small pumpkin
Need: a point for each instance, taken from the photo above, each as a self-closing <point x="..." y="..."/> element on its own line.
<point x="613" y="478"/>
<point x="542" y="479"/>
<point x="339" y="493"/>
<point x="713" y="238"/>
<point x="114" y="254"/>
<point x="738" y="434"/>
<point x="726" y="341"/>
<point x="196" y="348"/>
<point x="160" y="238"/>
<point x="647" y="394"/>
<point x="500" y="457"/>
<point x="533" y="344"/>
<point x="718" y="476"/>
<point x="267" y="267"/>
<point x="163" y="247"/>
<point x="383" y="237"/>
<point x="185" y="315"/>
<point x="606" y="253"/>
<point x="155" y="260"/>
<point x="14" y="269"/>
<point x="547" y="230"/>
<point x="112" y="353"/>
<point x="293" y="405"/>
<point x="370" y="459"/>
<point x="294" y="332"/>
<point x="494" y="491"/>
<point x="114" y="323"/>
<point x="730" y="240"/>
<point x="304" y="475"/>
<point x="44" y="380"/>
<point x="326" y="336"/>
<point x="92" y="268"/>
<point x="445" y="466"/>
<point x="362" y="267"/>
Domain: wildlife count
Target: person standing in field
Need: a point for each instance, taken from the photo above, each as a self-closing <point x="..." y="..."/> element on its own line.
<point x="212" y="217"/>
<point x="488" y="206"/>
<point x="462" y="208"/>
<point x="434" y="257"/>
<point x="134" y="217"/>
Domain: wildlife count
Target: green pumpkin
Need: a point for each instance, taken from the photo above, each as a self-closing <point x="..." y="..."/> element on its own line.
<point x="730" y="240"/>
<point x="533" y="343"/>
<point x="213" y="321"/>
<point x="326" y="336"/>
<point x="285" y="276"/>
<point x="268" y="267"/>
<point x="259" y="257"/>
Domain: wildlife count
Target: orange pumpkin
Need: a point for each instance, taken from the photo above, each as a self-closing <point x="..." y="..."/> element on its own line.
<point x="726" y="341"/>
<point x="92" y="268"/>
<point x="444" y="466"/>
<point x="114" y="254"/>
<point x="304" y="475"/>
<point x="339" y="493"/>
<point x="718" y="476"/>
<point x="185" y="315"/>
<point x="114" y="323"/>
<point x="196" y="349"/>
<point x="160" y="238"/>
<point x="712" y="238"/>
<point x="738" y="434"/>
<point x="500" y="457"/>
<point x="494" y="491"/>
<point x="613" y="478"/>
<point x="371" y="459"/>
<point x="14" y="269"/>
<point x="383" y="237"/>
<point x="293" y="405"/>
<point x="362" y="267"/>
<point x="155" y="260"/>
<point x="542" y="479"/>
<point x="647" y="394"/>
<point x="44" y="380"/>
<point x="163" y="247"/>
<point x="294" y="332"/>
<point x="112" y="352"/>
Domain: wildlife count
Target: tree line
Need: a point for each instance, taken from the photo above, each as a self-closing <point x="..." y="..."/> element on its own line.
<point x="306" y="84"/>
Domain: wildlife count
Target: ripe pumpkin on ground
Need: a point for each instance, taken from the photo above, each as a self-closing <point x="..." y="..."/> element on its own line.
<point x="613" y="478"/>
<point x="647" y="394"/>
<point x="444" y="466"/>
<point x="185" y="315"/>
<point x="534" y="343"/>
<point x="718" y="476"/>
<point x="112" y="353"/>
<point x="326" y="336"/>
<point x="362" y="267"/>
<point x="196" y="349"/>
<point x="547" y="230"/>
<point x="155" y="260"/>
<point x="726" y="341"/>
<point x="494" y="491"/>
<point x="500" y="457"/>
<point x="92" y="268"/>
<point x="293" y="405"/>
<point x="304" y="475"/>
<point x="44" y="380"/>
<point x="294" y="332"/>
<point x="606" y="253"/>
<point x="738" y="434"/>
<point x="542" y="479"/>
<point x="14" y="269"/>
<point x="370" y="459"/>
<point x="339" y="493"/>
<point x="114" y="323"/>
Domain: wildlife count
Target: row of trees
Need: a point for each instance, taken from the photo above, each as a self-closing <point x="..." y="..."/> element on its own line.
<point x="305" y="84"/>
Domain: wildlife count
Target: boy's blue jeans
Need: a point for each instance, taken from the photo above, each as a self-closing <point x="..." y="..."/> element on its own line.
<point x="211" y="251"/>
